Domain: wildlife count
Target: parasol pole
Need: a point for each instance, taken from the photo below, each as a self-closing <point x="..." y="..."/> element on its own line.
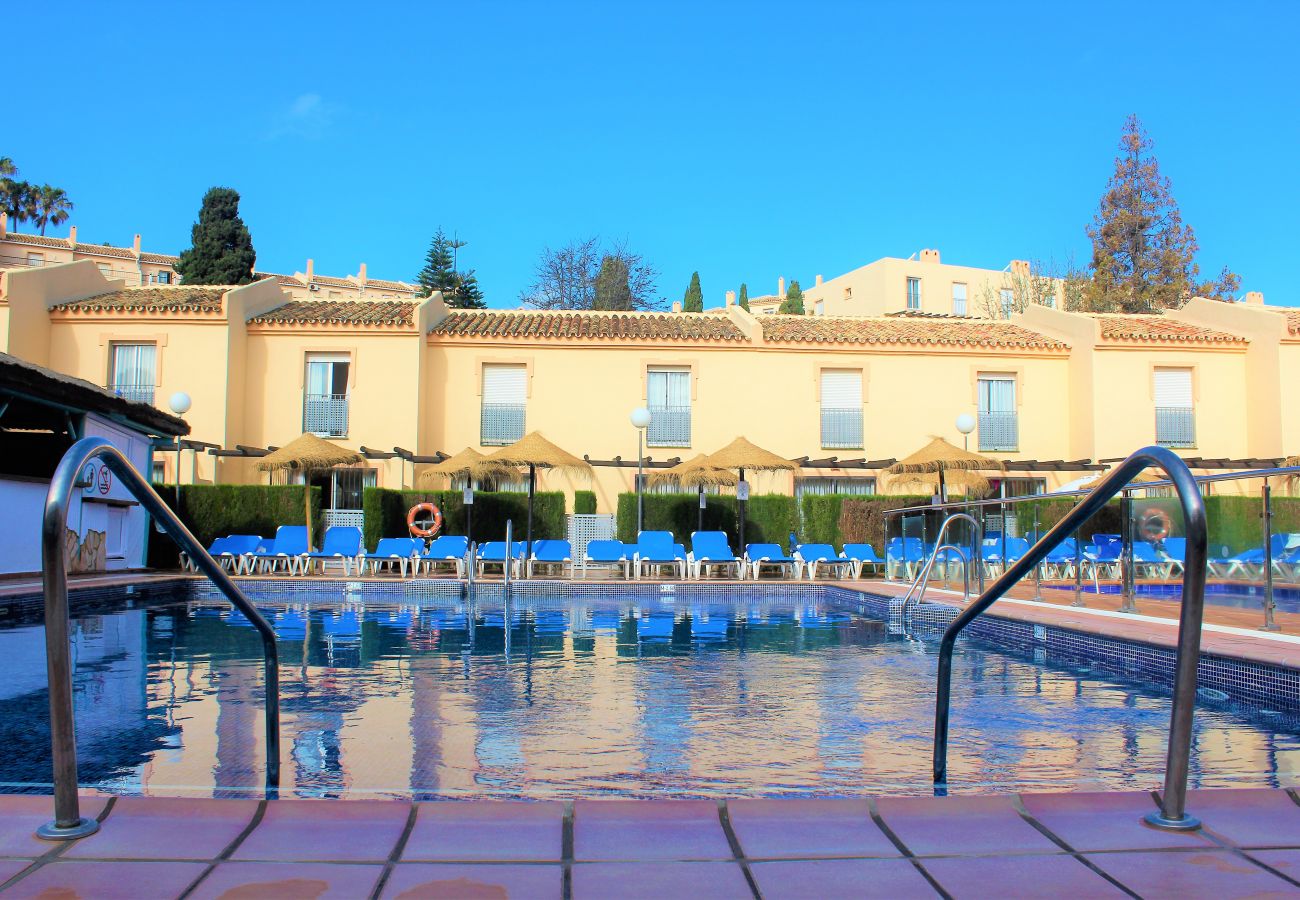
<point x="699" y="526"/>
<point x="532" y="486"/>
<point x="306" y="502"/>
<point x="741" y="506"/>
<point x="943" y="493"/>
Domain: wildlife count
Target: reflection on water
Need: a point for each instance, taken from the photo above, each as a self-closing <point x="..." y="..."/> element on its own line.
<point x="665" y="698"/>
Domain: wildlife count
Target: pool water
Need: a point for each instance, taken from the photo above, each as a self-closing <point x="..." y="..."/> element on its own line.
<point x="583" y="697"/>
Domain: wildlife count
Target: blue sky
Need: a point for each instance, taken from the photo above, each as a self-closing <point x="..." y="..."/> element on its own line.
<point x="748" y="141"/>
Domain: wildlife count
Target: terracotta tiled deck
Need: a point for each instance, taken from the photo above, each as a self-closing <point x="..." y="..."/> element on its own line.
<point x="1082" y="845"/>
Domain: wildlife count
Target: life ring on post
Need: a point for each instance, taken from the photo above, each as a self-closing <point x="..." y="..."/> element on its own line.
<point x="1153" y="524"/>
<point x="418" y="523"/>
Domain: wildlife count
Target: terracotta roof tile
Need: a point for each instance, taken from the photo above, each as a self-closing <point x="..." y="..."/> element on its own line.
<point x="388" y="285"/>
<point x="334" y="282"/>
<point x="902" y="330"/>
<point x="1119" y="327"/>
<point x="105" y="250"/>
<point x="155" y="298"/>
<point x="1293" y="322"/>
<point x="161" y="258"/>
<point x="598" y="325"/>
<point x="286" y="280"/>
<point x="37" y="240"/>
<point x="339" y="312"/>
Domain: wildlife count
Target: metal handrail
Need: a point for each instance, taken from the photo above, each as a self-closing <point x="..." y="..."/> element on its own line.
<point x="965" y="574"/>
<point x="923" y="576"/>
<point x="1173" y="798"/>
<point x="68" y="822"/>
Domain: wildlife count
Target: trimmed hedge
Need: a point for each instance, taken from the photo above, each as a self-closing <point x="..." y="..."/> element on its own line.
<point x="769" y="518"/>
<point x="861" y="520"/>
<point x="584" y="503"/>
<point x="386" y="509"/>
<point x="211" y="511"/>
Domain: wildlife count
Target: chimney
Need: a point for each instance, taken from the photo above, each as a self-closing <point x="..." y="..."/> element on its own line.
<point x="135" y="245"/>
<point x="311" y="265"/>
<point x="1020" y="268"/>
<point x="677" y="306"/>
<point x="731" y="298"/>
<point x="1255" y="298"/>
<point x="818" y="282"/>
<point x="72" y="235"/>
<point x="930" y="256"/>
<point x="780" y="287"/>
<point x="361" y="276"/>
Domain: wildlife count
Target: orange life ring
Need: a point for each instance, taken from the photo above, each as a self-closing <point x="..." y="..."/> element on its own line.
<point x="424" y="531"/>
<point x="1154" y="524"/>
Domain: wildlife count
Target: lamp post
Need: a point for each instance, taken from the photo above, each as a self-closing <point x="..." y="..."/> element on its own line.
<point x="641" y="421"/>
<point x="180" y="404"/>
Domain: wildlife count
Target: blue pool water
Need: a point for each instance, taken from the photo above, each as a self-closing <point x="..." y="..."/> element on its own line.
<point x="756" y="695"/>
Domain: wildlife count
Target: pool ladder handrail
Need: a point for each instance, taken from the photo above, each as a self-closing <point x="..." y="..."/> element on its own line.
<point x="923" y="577"/>
<point x="1172" y="814"/>
<point x="68" y="822"/>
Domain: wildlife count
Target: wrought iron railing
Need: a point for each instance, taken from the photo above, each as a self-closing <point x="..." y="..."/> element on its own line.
<point x="1175" y="426"/>
<point x="139" y="393"/>
<point x="501" y="423"/>
<point x="999" y="431"/>
<point x="670" y="426"/>
<point x="325" y="414"/>
<point x="841" y="429"/>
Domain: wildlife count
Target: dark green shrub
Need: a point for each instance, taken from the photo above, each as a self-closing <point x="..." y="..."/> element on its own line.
<point x="584" y="503"/>
<point x="386" y="510"/>
<point x="211" y="511"/>
<point x="768" y="517"/>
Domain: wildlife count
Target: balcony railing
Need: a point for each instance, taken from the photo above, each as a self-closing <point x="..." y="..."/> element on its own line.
<point x="1175" y="426"/>
<point x="670" y="426"/>
<point x="841" y="429"/>
<point x="138" y="393"/>
<point x="325" y="414"/>
<point x="502" y="423"/>
<point x="999" y="431"/>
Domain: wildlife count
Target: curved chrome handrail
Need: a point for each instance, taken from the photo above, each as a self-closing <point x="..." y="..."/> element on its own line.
<point x="923" y="577"/>
<point x="1173" y="798"/>
<point x="68" y="822"/>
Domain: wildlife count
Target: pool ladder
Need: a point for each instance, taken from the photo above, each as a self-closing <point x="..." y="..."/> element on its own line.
<point x="68" y="822"/>
<point x="922" y="579"/>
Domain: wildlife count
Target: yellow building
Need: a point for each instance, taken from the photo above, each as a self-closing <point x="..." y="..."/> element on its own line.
<point x="404" y="381"/>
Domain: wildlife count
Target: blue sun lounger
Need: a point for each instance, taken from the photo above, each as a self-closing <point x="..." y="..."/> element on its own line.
<point x="758" y="556"/>
<point x="447" y="549"/>
<point x="606" y="554"/>
<point x="862" y="555"/>
<point x="709" y="549"/>
<point x="815" y="556"/>
<point x="656" y="549"/>
<point x="550" y="552"/>
<point x="399" y="552"/>
<point x="342" y="546"/>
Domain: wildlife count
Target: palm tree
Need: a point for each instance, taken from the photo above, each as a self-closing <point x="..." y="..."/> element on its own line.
<point x="53" y="206"/>
<point x="13" y="200"/>
<point x="7" y="167"/>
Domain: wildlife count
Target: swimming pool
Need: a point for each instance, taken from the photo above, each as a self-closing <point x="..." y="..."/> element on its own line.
<point x="658" y="692"/>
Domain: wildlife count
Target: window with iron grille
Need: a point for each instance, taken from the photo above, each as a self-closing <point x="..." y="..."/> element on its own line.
<point x="132" y="371"/>
<point x="841" y="391"/>
<point x="1007" y="297"/>
<point x="913" y="293"/>
<point x="668" y="397"/>
<point x="1175" y="413"/>
<point x="325" y="400"/>
<point x="999" y="427"/>
<point x="505" y="397"/>
<point x="958" y="299"/>
<point x="819" y="485"/>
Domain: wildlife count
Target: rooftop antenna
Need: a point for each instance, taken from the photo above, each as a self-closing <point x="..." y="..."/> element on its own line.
<point x="456" y="244"/>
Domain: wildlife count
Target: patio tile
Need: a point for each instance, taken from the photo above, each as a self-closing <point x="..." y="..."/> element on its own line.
<point x="1248" y="818"/>
<point x="108" y="880"/>
<point x="22" y="814"/>
<point x="11" y="867"/>
<point x="893" y="878"/>
<point x="287" y="881"/>
<point x="416" y="881"/>
<point x="489" y="830"/>
<point x="807" y="828"/>
<point x="648" y="829"/>
<point x="1285" y="861"/>
<point x="655" y="881"/>
<point x="995" y="877"/>
<point x="1219" y="874"/>
<point x="166" y="828"/>
<point x="953" y="825"/>
<point x="1104" y="821"/>
<point x="311" y="830"/>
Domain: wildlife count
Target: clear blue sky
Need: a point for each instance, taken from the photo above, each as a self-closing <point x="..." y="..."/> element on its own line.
<point x="746" y="141"/>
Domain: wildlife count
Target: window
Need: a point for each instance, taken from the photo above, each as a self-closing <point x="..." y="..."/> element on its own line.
<point x="913" y="293"/>
<point x="325" y="400"/>
<point x="505" y="393"/>
<point x="841" y="408"/>
<point x="820" y="485"/>
<point x="35" y="259"/>
<point x="104" y="269"/>
<point x="164" y="277"/>
<point x="819" y="308"/>
<point x="848" y="293"/>
<point x="158" y="472"/>
<point x="1023" y="487"/>
<point x="341" y="494"/>
<point x="668" y="397"/>
<point x="1175" y="417"/>
<point x="998" y="426"/>
<point x="958" y="299"/>
<point x="132" y="369"/>
<point x="1008" y="298"/>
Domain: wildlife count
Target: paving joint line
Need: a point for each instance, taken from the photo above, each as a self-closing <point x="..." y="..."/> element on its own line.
<point x="566" y="851"/>
<point x="737" y="852"/>
<point x="1018" y="805"/>
<point x="396" y="853"/>
<point x="253" y="821"/>
<point x="904" y="849"/>
<point x="59" y="848"/>
<point x="1232" y="848"/>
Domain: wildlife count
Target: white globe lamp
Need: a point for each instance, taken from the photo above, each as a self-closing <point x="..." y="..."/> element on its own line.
<point x="965" y="424"/>
<point x="180" y="403"/>
<point x="640" y="417"/>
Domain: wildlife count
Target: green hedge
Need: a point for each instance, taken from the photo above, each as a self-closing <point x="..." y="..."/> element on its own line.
<point x="861" y="520"/>
<point x="211" y="511"/>
<point x="386" y="509"/>
<point x="584" y="503"/>
<point x="821" y="517"/>
<point x="769" y="518"/>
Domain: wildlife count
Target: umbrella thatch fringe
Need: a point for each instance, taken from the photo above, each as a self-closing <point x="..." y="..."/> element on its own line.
<point x="940" y="454"/>
<point x="308" y="452"/>
<point x="695" y="473"/>
<point x="743" y="454"/>
<point x="530" y="450"/>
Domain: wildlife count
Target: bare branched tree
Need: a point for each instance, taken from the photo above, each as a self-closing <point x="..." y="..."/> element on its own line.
<point x="1017" y="290"/>
<point x="567" y="278"/>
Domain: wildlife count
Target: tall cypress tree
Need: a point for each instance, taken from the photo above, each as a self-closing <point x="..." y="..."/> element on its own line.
<point x="694" y="299"/>
<point x="613" y="290"/>
<point x="744" y="296"/>
<point x="793" y="302"/>
<point x="222" y="249"/>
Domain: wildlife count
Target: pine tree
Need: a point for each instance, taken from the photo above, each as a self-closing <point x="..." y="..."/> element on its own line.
<point x="439" y="272"/>
<point x="793" y="302"/>
<point x="1143" y="254"/>
<point x="694" y="299"/>
<point x="613" y="290"/>
<point x="744" y="296"/>
<point x="468" y="295"/>
<point x="222" y="249"/>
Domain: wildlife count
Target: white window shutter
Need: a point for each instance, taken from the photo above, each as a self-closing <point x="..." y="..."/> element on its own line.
<point x="505" y="385"/>
<point x="841" y="389"/>
<point x="1173" y="388"/>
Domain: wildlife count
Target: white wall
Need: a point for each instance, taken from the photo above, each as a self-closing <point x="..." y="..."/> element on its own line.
<point x="23" y="501"/>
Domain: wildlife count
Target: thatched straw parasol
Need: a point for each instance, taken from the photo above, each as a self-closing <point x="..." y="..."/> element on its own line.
<point x="308" y="454"/>
<point x="971" y="484"/>
<point x="459" y="465"/>
<point x="534" y="451"/>
<point x="697" y="473"/>
<point x="741" y="454"/>
<point x="938" y="457"/>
